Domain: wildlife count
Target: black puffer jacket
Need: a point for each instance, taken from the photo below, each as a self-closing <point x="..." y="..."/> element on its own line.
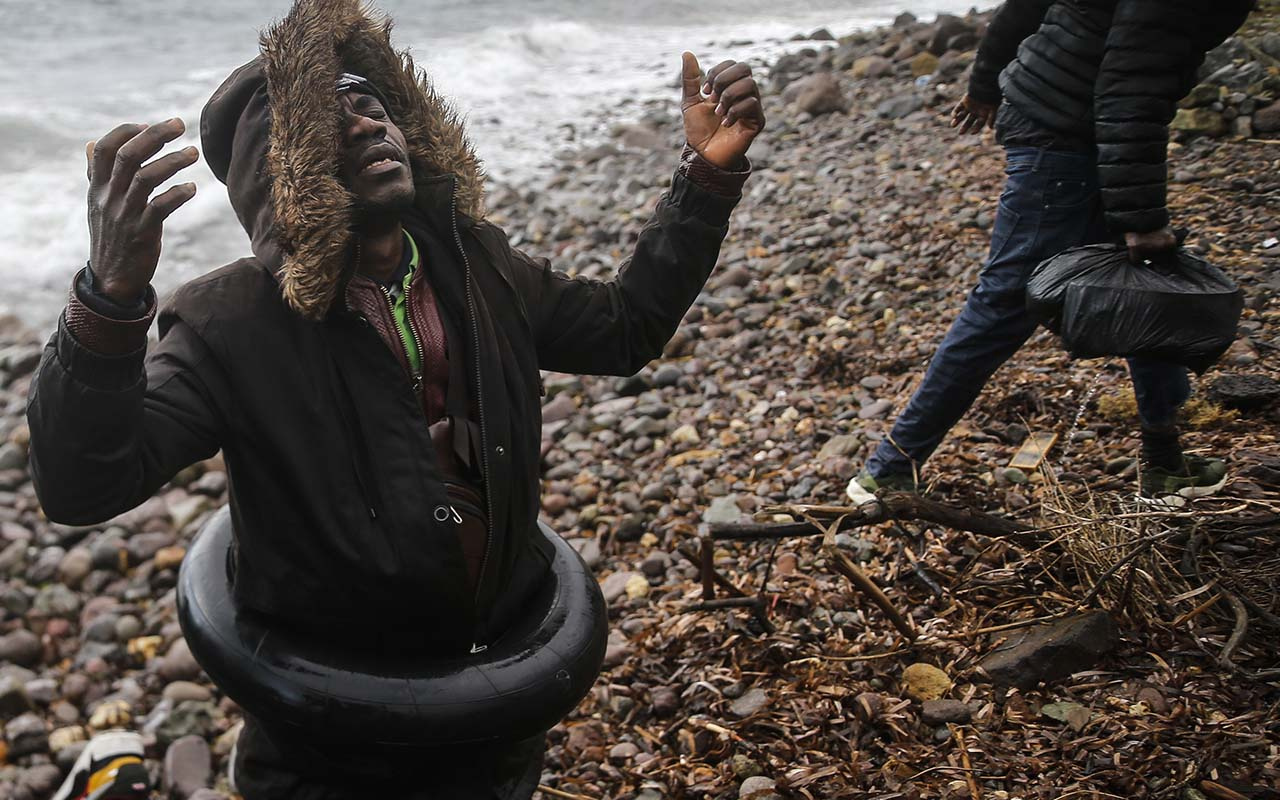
<point x="1109" y="72"/>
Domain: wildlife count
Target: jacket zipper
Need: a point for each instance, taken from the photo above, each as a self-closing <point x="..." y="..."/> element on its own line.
<point x="355" y="458"/>
<point x="484" y="430"/>
<point x="414" y="374"/>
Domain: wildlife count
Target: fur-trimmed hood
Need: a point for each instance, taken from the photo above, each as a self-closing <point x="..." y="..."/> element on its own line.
<point x="271" y="134"/>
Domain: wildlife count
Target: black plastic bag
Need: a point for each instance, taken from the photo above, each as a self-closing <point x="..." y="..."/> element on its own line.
<point x="1181" y="309"/>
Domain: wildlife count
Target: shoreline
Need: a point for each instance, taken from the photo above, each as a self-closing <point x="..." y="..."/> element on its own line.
<point x="512" y="80"/>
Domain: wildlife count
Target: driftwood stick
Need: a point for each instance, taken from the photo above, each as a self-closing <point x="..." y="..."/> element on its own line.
<point x="841" y="563"/>
<point x="859" y="579"/>
<point x="1238" y="631"/>
<point x="708" y="567"/>
<point x="903" y="506"/>
<point x="725" y="602"/>
<point x="755" y="604"/>
<point x="547" y="790"/>
<point x="958" y="735"/>
<point x="705" y="559"/>
<point x="720" y="580"/>
<point x="1112" y="570"/>
<point x="753" y="531"/>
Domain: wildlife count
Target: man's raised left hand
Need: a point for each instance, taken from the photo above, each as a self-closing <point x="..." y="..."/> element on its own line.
<point x="722" y="114"/>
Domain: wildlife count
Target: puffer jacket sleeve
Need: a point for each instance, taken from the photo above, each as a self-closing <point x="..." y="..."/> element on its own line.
<point x="1151" y="54"/>
<point x="615" y="327"/>
<point x="1012" y="22"/>
<point x="108" y="430"/>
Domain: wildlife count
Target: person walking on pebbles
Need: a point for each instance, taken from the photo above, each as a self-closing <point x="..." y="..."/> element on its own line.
<point x="381" y="347"/>
<point x="1080" y="93"/>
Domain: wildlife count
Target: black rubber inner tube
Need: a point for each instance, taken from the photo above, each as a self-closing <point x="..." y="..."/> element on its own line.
<point x="523" y="684"/>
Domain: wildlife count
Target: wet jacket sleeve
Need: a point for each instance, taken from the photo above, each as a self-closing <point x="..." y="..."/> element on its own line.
<point x="615" y="327"/>
<point x="1012" y="22"/>
<point x="1150" y="52"/>
<point x="108" y="430"/>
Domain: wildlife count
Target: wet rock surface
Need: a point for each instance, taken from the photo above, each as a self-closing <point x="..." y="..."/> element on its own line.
<point x="1049" y="652"/>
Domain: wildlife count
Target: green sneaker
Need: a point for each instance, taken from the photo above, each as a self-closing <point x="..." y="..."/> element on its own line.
<point x="862" y="487"/>
<point x="1199" y="477"/>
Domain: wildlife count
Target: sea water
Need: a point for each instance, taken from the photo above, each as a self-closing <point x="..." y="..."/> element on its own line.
<point x="532" y="77"/>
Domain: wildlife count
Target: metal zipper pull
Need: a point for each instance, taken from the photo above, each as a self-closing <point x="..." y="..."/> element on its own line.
<point x="456" y="516"/>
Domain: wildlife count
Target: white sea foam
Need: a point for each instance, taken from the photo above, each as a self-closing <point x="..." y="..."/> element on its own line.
<point x="531" y="76"/>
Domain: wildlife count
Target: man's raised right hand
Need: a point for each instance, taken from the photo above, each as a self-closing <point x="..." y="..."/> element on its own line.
<point x="125" y="223"/>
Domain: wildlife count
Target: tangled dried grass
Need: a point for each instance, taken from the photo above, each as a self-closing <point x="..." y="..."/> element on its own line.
<point x="1212" y="569"/>
<point x="1197" y="413"/>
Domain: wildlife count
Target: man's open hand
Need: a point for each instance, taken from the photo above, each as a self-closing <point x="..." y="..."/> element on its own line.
<point x="124" y="223"/>
<point x="722" y="114"/>
<point x="971" y="116"/>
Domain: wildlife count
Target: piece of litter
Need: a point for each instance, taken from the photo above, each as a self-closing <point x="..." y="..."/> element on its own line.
<point x="1033" y="450"/>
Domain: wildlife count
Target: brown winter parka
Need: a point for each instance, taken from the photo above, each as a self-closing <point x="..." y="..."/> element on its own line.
<point x="334" y="481"/>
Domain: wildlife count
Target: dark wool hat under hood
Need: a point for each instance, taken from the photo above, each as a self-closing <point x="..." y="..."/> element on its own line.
<point x="271" y="133"/>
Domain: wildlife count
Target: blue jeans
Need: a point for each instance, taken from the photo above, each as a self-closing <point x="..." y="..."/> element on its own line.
<point x="1050" y="203"/>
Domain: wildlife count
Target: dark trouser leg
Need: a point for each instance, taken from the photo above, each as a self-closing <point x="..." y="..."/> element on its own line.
<point x="1050" y="203"/>
<point x="271" y="766"/>
<point x="1160" y="388"/>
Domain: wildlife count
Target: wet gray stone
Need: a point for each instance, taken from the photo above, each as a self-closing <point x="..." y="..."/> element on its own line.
<point x="667" y="375"/>
<point x="40" y="780"/>
<point x="940" y="712"/>
<point x="589" y="549"/>
<point x="189" y="718"/>
<point x="128" y="627"/>
<point x="178" y="664"/>
<point x="75" y="565"/>
<point x="749" y="703"/>
<point x="26" y="734"/>
<point x="144" y="545"/>
<point x="615" y="586"/>
<point x="900" y="106"/>
<point x="876" y="409"/>
<point x="13" y="697"/>
<point x="42" y="691"/>
<point x="188" y="767"/>
<point x="21" y="647"/>
<point x="13" y="558"/>
<point x="758" y="787"/>
<point x="182" y="691"/>
<point x="56" y="600"/>
<point x="723" y="509"/>
<point x="12" y="457"/>
<point x="102" y="629"/>
<point x="45" y="566"/>
<point x="655" y="564"/>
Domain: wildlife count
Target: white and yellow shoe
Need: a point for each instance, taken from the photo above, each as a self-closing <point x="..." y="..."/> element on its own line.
<point x="110" y="768"/>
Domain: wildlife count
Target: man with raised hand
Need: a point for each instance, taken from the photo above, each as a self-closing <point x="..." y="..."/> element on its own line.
<point x="1081" y="93"/>
<point x="380" y="348"/>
